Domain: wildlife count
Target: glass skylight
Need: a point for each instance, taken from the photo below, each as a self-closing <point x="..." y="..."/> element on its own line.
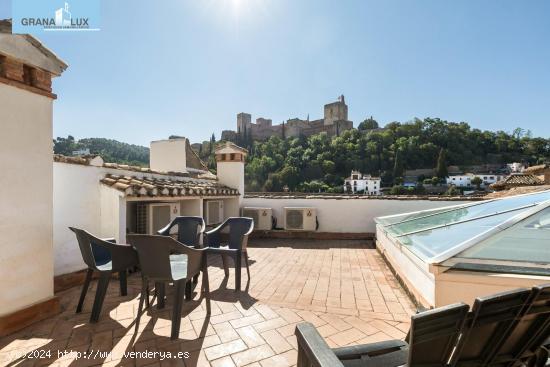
<point x="436" y="235"/>
<point x="528" y="240"/>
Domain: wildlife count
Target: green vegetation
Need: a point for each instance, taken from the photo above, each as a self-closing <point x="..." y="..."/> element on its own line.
<point x="109" y="149"/>
<point x="320" y="163"/>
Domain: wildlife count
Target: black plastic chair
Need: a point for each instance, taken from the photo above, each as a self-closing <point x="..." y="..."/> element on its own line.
<point x="236" y="246"/>
<point x="431" y="339"/>
<point x="190" y="230"/>
<point x="189" y="233"/>
<point x="105" y="257"/>
<point x="165" y="260"/>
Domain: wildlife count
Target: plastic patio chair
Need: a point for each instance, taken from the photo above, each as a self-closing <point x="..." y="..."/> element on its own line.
<point x="105" y="257"/>
<point x="165" y="260"/>
<point x="430" y="342"/>
<point x="190" y="229"/>
<point x="239" y="230"/>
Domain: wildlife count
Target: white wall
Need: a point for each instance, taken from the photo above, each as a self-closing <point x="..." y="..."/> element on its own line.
<point x="168" y="155"/>
<point x="26" y="256"/>
<point x="346" y="215"/>
<point x="231" y="174"/>
<point x="76" y="204"/>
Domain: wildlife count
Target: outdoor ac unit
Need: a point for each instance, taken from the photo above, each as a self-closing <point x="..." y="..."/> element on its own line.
<point x="213" y="212"/>
<point x="151" y="217"/>
<point x="262" y="217"/>
<point x="300" y="219"/>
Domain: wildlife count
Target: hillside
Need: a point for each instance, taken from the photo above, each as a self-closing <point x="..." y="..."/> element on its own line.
<point x="109" y="149"/>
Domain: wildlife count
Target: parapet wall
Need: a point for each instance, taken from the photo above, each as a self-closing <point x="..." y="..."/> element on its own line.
<point x="347" y="213"/>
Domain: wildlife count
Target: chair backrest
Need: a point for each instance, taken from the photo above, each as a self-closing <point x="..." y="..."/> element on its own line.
<point x="189" y="229"/>
<point x="238" y="227"/>
<point x="488" y="326"/>
<point x="154" y="254"/>
<point x="92" y="254"/>
<point x="433" y="334"/>
<point x="531" y="331"/>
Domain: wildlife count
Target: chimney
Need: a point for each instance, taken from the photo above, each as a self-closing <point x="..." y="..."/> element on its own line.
<point x="168" y="155"/>
<point x="230" y="160"/>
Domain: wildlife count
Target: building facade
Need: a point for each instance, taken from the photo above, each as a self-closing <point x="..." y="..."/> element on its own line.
<point x="334" y="122"/>
<point x="359" y="183"/>
<point x="465" y="180"/>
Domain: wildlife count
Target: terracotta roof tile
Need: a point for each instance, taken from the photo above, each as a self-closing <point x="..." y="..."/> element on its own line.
<point x="137" y="186"/>
<point x="517" y="179"/>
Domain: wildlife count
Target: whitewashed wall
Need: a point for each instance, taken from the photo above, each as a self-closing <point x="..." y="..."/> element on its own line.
<point x="345" y="215"/>
<point x="26" y="256"/>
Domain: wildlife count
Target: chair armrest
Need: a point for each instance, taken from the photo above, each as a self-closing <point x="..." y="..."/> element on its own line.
<point x="110" y="239"/>
<point x="213" y="236"/>
<point x="122" y="255"/>
<point x="312" y="349"/>
<point x="166" y="230"/>
<point x="370" y="349"/>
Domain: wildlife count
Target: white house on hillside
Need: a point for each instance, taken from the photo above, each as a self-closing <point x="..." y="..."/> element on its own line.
<point x="465" y="179"/>
<point x="366" y="184"/>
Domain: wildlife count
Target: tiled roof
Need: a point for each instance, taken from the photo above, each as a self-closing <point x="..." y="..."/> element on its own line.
<point x="153" y="187"/>
<point x="537" y="170"/>
<point x="92" y="160"/>
<point x="517" y="179"/>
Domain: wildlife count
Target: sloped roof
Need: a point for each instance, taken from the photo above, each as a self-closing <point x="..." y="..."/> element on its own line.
<point x="89" y="160"/>
<point x="29" y="50"/>
<point x="537" y="170"/>
<point x="517" y="179"/>
<point x="230" y="146"/>
<point x="155" y="187"/>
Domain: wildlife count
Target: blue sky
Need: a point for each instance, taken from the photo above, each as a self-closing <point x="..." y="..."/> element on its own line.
<point x="188" y="67"/>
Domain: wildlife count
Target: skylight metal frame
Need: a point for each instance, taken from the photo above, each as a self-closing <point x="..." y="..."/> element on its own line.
<point x="445" y="255"/>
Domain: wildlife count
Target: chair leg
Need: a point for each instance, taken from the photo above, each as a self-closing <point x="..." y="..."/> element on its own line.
<point x="142" y="297"/>
<point x="160" y="290"/>
<point x="189" y="290"/>
<point x="206" y="288"/>
<point x="102" y="286"/>
<point x="176" y="315"/>
<point x="225" y="268"/>
<point x="238" y="272"/>
<point x="246" y="262"/>
<point x="85" y="287"/>
<point x="122" y="277"/>
<point x="147" y="304"/>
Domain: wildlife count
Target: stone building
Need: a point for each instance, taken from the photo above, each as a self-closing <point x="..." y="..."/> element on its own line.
<point x="334" y="121"/>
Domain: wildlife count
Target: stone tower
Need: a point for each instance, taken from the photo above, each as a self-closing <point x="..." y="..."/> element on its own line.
<point x="244" y="122"/>
<point x="336" y="111"/>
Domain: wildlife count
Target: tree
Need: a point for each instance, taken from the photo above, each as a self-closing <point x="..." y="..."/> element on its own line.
<point x="477" y="181"/>
<point x="368" y="124"/>
<point x="441" y="169"/>
<point x="398" y="165"/>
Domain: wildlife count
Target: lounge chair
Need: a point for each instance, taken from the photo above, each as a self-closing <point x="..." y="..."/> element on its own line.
<point x="507" y="329"/>
<point x="431" y="338"/>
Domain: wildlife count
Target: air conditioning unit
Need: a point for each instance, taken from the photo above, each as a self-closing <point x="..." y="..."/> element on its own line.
<point x="300" y="219"/>
<point x="213" y="211"/>
<point x="262" y="217"/>
<point x="151" y="217"/>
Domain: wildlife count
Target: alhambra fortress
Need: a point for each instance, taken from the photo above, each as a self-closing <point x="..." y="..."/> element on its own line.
<point x="335" y="121"/>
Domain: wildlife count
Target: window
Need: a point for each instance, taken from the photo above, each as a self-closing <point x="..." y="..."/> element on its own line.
<point x="232" y="156"/>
